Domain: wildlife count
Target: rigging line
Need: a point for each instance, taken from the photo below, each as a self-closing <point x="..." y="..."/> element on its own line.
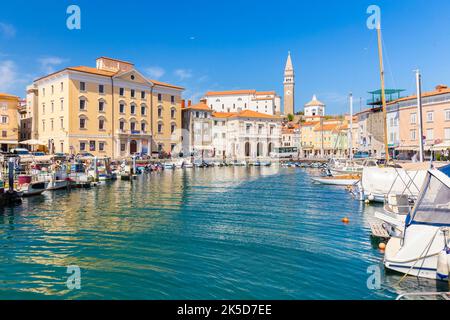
<point x="388" y="63"/>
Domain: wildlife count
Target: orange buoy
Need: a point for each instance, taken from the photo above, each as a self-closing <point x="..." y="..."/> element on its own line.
<point x="382" y="246"/>
<point x="345" y="220"/>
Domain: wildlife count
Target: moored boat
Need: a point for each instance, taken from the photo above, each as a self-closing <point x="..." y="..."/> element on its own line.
<point x="346" y="180"/>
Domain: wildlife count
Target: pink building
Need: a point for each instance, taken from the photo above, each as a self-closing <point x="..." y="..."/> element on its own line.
<point x="435" y="119"/>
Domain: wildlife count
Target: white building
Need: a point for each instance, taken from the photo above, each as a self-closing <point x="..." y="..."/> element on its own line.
<point x="266" y="102"/>
<point x="314" y="108"/>
<point x="246" y="135"/>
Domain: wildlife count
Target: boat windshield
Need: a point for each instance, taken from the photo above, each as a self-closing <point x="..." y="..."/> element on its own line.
<point x="433" y="205"/>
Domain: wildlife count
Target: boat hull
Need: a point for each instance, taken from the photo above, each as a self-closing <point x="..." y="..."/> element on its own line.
<point x="336" y="182"/>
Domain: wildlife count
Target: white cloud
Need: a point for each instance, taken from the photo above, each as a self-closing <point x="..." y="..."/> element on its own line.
<point x="183" y="74"/>
<point x="48" y="64"/>
<point x="7" y="30"/>
<point x="8" y="72"/>
<point x="155" y="72"/>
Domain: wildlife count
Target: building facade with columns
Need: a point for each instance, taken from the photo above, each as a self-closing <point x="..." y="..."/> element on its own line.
<point x="110" y="110"/>
<point x="245" y="135"/>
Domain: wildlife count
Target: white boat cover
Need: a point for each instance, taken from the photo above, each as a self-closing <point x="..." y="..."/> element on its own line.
<point x="382" y="181"/>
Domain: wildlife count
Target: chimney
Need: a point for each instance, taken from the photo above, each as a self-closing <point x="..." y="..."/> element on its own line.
<point x="203" y="100"/>
<point x="189" y="103"/>
<point x="183" y="103"/>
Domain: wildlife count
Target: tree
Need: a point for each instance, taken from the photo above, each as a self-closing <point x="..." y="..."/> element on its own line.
<point x="290" y="117"/>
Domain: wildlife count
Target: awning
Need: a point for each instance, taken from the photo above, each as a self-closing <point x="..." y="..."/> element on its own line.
<point x="33" y="142"/>
<point x="441" y="146"/>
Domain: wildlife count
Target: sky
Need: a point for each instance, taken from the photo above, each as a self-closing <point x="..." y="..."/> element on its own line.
<point x="227" y="45"/>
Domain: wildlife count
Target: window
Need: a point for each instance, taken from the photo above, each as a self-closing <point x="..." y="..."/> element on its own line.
<point x="82" y="104"/>
<point x="160" y="147"/>
<point x="121" y="108"/>
<point x="4" y="119"/>
<point x="142" y="94"/>
<point x="62" y="104"/>
<point x="51" y="124"/>
<point x="447" y="115"/>
<point x="92" y="145"/>
<point x="122" y="125"/>
<point x="53" y="107"/>
<point x="43" y="108"/>
<point x="43" y="125"/>
<point x="172" y="128"/>
<point x="53" y="89"/>
<point x="43" y="92"/>
<point x="413" y="118"/>
<point x="121" y="92"/>
<point x="430" y="116"/>
<point x="143" y="127"/>
<point x="132" y="93"/>
<point x="133" y="109"/>
<point x="172" y="113"/>
<point x="447" y="133"/>
<point x="160" y="127"/>
<point x="133" y="126"/>
<point x="101" y="124"/>
<point x="143" y="110"/>
<point x="61" y="120"/>
<point x="101" y="88"/>
<point x="101" y="106"/>
<point x="160" y="112"/>
<point x="101" y="146"/>
<point x="430" y="134"/>
<point x="82" y="123"/>
<point x="82" y="146"/>
<point x="172" y="99"/>
<point x="159" y="97"/>
<point x="82" y="86"/>
<point x="172" y="147"/>
<point x="413" y="134"/>
<point x="62" y="86"/>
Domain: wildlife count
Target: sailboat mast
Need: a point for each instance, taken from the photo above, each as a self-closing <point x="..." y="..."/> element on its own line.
<point x="351" y="128"/>
<point x="383" y="95"/>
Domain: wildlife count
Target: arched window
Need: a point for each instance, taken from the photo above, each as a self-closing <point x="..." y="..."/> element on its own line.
<point x="122" y="106"/>
<point x="101" y="105"/>
<point x="101" y="123"/>
<point x="160" y="127"/>
<point x="132" y="108"/>
<point x="173" y="127"/>
<point x="144" y="126"/>
<point x="122" y="125"/>
<point x="160" y="111"/>
<point x="83" y="103"/>
<point x="173" y="113"/>
<point x="83" y="122"/>
<point x="143" y="109"/>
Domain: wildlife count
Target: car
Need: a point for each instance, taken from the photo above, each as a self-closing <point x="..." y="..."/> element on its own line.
<point x="84" y="155"/>
<point x="361" y="155"/>
<point x="21" y="151"/>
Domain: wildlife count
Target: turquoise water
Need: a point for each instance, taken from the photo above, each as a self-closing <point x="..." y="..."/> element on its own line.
<point x="218" y="233"/>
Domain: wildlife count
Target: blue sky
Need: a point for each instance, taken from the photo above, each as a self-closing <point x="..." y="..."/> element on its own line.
<point x="223" y="45"/>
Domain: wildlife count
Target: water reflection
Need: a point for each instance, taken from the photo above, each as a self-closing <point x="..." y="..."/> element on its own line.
<point x="228" y="233"/>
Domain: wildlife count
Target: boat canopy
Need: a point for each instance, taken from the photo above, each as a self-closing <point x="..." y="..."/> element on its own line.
<point x="433" y="204"/>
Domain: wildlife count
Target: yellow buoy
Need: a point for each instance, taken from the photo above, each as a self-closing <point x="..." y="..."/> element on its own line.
<point x="345" y="220"/>
<point x="367" y="201"/>
<point x="382" y="246"/>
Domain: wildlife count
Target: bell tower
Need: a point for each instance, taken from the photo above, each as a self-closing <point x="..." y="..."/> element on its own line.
<point x="289" y="86"/>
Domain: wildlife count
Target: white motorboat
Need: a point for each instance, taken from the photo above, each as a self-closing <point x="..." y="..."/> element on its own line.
<point x="33" y="188"/>
<point x="347" y="180"/>
<point x="423" y="250"/>
<point x="55" y="184"/>
<point x="169" y="166"/>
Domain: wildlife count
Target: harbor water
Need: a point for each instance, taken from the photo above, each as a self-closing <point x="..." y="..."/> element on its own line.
<point x="214" y="233"/>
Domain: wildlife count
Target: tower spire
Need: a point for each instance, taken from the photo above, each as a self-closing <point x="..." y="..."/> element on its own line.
<point x="289" y="66"/>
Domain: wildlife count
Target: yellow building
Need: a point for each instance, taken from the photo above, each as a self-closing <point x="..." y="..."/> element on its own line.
<point x="110" y="110"/>
<point x="9" y="121"/>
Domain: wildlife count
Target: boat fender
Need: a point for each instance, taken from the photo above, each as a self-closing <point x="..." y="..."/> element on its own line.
<point x="443" y="264"/>
<point x="371" y="197"/>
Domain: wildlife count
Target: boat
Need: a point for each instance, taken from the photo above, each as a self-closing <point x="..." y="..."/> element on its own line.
<point x="33" y="188"/>
<point x="347" y="180"/>
<point x="377" y="183"/>
<point x="55" y="184"/>
<point x="169" y="166"/>
<point x="423" y="250"/>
